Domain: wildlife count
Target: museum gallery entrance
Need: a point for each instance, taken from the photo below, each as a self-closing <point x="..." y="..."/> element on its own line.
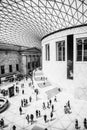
<point x="69" y="56"/>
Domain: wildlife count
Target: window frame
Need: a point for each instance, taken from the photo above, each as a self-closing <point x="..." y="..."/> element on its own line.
<point x="2" y="69"/>
<point x="10" y="68"/>
<point x="82" y="49"/>
<point x="60" y="55"/>
<point x="47" y="52"/>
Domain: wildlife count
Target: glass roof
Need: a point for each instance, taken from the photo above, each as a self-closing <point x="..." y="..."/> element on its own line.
<point x="25" y="22"/>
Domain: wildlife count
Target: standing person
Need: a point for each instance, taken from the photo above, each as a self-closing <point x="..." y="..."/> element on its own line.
<point x="23" y="91"/>
<point x="85" y="123"/>
<point x="32" y="118"/>
<point x="51" y="115"/>
<point x="45" y="118"/>
<point x="55" y="99"/>
<point x="68" y="103"/>
<point x="21" y="103"/>
<point x="30" y="99"/>
<point x="37" y="113"/>
<point x="48" y="105"/>
<point x="44" y="107"/>
<point x="76" y="124"/>
<point x="50" y="101"/>
<point x="14" y="127"/>
<point x="2" y="123"/>
<point x="27" y="117"/>
<point x="20" y="109"/>
<point x="52" y="107"/>
<point x="26" y="101"/>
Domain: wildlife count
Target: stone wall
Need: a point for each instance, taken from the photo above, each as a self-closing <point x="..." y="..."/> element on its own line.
<point x="9" y="58"/>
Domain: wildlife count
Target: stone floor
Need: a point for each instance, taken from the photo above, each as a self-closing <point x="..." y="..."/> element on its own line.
<point x="60" y="121"/>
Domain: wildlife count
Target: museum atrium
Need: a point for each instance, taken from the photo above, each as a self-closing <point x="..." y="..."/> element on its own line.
<point x="43" y="64"/>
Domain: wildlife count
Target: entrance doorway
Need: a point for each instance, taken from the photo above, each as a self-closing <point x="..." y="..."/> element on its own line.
<point x="70" y="57"/>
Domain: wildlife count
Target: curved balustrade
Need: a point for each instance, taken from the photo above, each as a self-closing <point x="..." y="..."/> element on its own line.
<point x="4" y="103"/>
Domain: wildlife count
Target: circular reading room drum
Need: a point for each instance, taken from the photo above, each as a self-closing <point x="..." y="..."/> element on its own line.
<point x="3" y="104"/>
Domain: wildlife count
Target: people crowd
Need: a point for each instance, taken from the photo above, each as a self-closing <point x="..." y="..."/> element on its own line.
<point x="49" y="104"/>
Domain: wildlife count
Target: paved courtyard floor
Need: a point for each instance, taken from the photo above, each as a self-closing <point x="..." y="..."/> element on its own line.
<point x="60" y="121"/>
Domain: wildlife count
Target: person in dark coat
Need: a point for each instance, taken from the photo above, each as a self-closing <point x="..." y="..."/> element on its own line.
<point x="20" y="109"/>
<point x="37" y="113"/>
<point x="50" y="101"/>
<point x="76" y="125"/>
<point x="51" y="115"/>
<point x="85" y="123"/>
<point x="22" y="103"/>
<point x="14" y="127"/>
<point x="55" y="99"/>
<point x="23" y="91"/>
<point x="52" y="107"/>
<point x="32" y="118"/>
<point x="2" y="123"/>
<point x="45" y="118"/>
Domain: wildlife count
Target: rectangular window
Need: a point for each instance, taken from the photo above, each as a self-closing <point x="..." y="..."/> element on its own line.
<point x="2" y="69"/>
<point x="47" y="52"/>
<point x="85" y="50"/>
<point x="10" y="68"/>
<point x="17" y="67"/>
<point x="81" y="49"/>
<point x="60" y="51"/>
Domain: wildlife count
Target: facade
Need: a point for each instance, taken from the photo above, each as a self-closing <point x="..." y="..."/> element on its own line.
<point x="64" y="55"/>
<point x="18" y="60"/>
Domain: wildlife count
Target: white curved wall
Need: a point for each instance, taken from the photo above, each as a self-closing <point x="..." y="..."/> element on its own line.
<point x="56" y="71"/>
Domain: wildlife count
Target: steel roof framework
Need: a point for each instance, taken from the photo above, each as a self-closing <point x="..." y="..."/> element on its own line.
<point x="25" y="22"/>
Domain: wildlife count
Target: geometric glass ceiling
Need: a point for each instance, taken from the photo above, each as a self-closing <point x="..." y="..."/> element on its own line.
<point x="25" y="22"/>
